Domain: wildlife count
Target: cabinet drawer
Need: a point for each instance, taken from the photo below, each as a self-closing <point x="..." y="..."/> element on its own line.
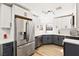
<point x="20" y="51"/>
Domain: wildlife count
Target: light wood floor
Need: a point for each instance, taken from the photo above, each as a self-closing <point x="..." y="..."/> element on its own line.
<point x="49" y="50"/>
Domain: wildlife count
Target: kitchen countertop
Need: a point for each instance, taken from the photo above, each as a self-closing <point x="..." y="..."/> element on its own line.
<point x="72" y="41"/>
<point x="67" y="36"/>
<point x="6" y="41"/>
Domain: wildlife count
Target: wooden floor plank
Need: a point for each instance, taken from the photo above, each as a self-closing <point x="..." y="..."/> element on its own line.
<point x="49" y="50"/>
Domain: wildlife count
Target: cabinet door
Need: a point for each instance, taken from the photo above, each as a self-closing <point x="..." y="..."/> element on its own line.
<point x="60" y="41"/>
<point x="49" y="39"/>
<point x="20" y="11"/>
<point x="8" y="49"/>
<point x="55" y="39"/>
<point x="45" y="39"/>
<point x="5" y="15"/>
<point x="38" y="41"/>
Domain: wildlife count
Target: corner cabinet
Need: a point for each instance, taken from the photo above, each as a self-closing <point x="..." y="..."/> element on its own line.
<point x="38" y="41"/>
<point x="5" y="16"/>
<point x="60" y="40"/>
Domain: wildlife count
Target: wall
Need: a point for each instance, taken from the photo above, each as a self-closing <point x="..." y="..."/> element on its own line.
<point x="44" y="19"/>
<point x="5" y="25"/>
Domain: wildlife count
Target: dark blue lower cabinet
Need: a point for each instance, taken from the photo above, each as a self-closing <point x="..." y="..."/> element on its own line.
<point x="60" y="40"/>
<point x="47" y="39"/>
<point x="8" y="49"/>
<point x="55" y="39"/>
<point x="71" y="49"/>
<point x="38" y="41"/>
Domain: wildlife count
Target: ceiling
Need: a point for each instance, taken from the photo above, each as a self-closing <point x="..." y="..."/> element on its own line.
<point x="37" y="8"/>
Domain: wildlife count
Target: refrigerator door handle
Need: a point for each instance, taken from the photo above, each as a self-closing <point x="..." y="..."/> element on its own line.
<point x="24" y="36"/>
<point x="27" y="34"/>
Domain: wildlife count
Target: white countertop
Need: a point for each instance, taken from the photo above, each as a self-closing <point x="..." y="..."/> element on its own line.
<point x="6" y="41"/>
<point x="58" y="34"/>
<point x="73" y="41"/>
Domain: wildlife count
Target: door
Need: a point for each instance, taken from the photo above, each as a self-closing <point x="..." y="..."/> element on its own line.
<point x="45" y="39"/>
<point x="38" y="41"/>
<point x="20" y="31"/>
<point x="30" y="31"/>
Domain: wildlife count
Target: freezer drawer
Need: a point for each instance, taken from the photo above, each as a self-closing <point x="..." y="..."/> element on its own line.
<point x="20" y="51"/>
<point x="30" y="48"/>
<point x="25" y="50"/>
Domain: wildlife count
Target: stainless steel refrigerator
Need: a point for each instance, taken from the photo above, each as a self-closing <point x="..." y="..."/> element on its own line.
<point x="24" y="37"/>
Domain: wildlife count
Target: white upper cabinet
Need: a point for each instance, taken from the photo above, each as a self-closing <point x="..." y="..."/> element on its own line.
<point x="22" y="12"/>
<point x="19" y="11"/>
<point x="5" y="16"/>
<point x="29" y="15"/>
